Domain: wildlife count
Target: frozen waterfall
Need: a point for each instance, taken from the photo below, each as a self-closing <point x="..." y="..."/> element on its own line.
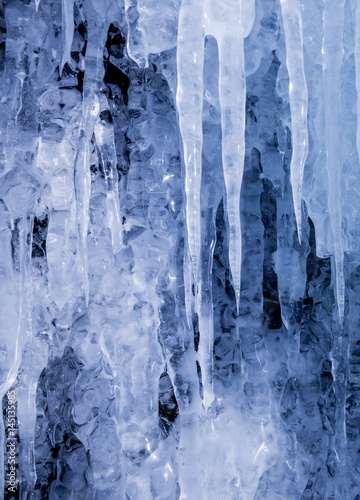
<point x="180" y="249"/>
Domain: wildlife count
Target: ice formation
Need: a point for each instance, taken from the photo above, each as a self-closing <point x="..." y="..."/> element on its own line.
<point x="180" y="257"/>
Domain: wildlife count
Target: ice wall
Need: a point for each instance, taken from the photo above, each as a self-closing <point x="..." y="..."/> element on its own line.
<point x="180" y="260"/>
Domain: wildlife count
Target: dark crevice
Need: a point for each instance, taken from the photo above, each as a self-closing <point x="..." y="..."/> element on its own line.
<point x="168" y="407"/>
<point x="271" y="303"/>
<point x="39" y="237"/>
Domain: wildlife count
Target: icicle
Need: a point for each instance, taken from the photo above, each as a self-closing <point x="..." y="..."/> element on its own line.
<point x="232" y="93"/>
<point x="33" y="361"/>
<point x="104" y="135"/>
<point x="82" y="193"/>
<point x="298" y="100"/>
<point x="68" y="30"/>
<point x="188" y="290"/>
<point x="91" y="108"/>
<point x="357" y="72"/>
<point x="136" y="41"/>
<point x="205" y="311"/>
<point x="94" y="102"/>
<point x="189" y="99"/>
<point x="332" y="61"/>
<point x="230" y="26"/>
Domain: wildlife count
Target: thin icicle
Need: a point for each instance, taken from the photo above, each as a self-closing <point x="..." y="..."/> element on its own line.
<point x="332" y="61"/>
<point x="136" y="40"/>
<point x="205" y="311"/>
<point x="188" y="290"/>
<point x="230" y="26"/>
<point x="104" y="135"/>
<point x="68" y="30"/>
<point x="357" y="72"/>
<point x="232" y="91"/>
<point x="82" y="192"/>
<point x="189" y="100"/>
<point x="91" y="109"/>
<point x="94" y="102"/>
<point x="298" y="100"/>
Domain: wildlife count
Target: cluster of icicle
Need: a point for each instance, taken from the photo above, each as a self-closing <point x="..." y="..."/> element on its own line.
<point x="230" y="22"/>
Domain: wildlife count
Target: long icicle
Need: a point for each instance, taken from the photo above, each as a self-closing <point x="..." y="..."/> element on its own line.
<point x="205" y="310"/>
<point x="82" y="195"/>
<point x="298" y="100"/>
<point x="232" y="91"/>
<point x="332" y="60"/>
<point x="189" y="100"/>
<point x="105" y="139"/>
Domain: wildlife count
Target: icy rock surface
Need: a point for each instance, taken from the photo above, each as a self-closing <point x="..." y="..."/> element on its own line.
<point x="180" y="256"/>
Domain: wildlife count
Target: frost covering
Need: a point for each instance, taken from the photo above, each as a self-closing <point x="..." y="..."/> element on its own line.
<point x="180" y="257"/>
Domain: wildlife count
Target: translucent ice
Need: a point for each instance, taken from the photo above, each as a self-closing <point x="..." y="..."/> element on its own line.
<point x="180" y="256"/>
<point x="291" y="13"/>
<point x="332" y="50"/>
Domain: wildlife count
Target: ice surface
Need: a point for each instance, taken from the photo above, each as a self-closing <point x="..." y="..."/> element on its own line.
<point x="179" y="238"/>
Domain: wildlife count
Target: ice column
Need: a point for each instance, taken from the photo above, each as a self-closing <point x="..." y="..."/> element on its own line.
<point x="298" y="99"/>
<point x="232" y="101"/>
<point x="332" y="60"/>
<point x="82" y="182"/>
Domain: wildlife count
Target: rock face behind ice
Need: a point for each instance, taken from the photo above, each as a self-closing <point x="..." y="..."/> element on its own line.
<point x="179" y="248"/>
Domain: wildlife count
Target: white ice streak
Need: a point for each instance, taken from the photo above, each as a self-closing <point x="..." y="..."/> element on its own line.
<point x="82" y="196"/>
<point x="292" y="20"/>
<point x="205" y="312"/>
<point x="68" y="30"/>
<point x="333" y="52"/>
